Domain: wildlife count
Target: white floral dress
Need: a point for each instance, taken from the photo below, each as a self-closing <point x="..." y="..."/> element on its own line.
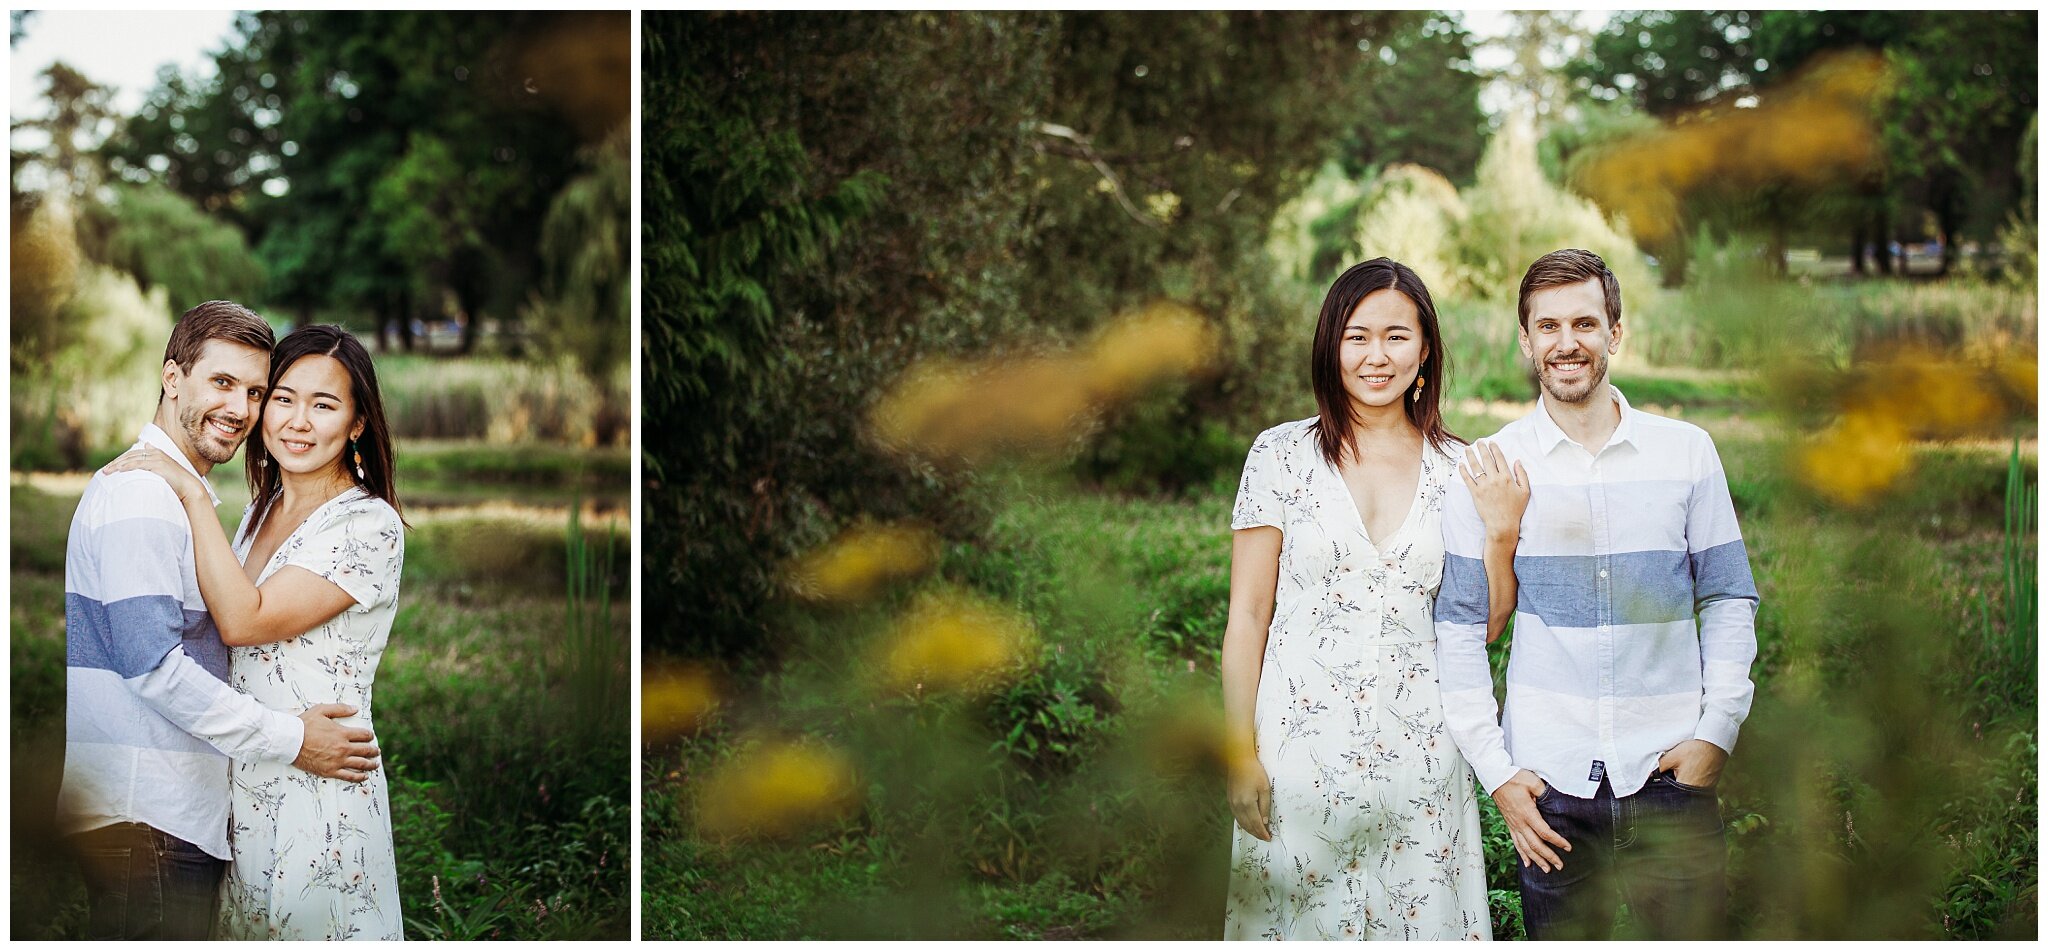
<point x="313" y="857"/>
<point x="1375" y="819"/>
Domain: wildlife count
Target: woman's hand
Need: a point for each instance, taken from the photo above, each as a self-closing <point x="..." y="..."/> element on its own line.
<point x="152" y="459"/>
<point x="1501" y="494"/>
<point x="1251" y="797"/>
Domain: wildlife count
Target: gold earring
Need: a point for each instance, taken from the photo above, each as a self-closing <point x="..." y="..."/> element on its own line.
<point x="1416" y="397"/>
<point x="359" y="458"/>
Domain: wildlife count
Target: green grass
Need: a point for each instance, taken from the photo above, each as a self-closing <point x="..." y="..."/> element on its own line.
<point x="1885" y="782"/>
<point x="509" y="780"/>
<point x="82" y="420"/>
<point x="1128" y="595"/>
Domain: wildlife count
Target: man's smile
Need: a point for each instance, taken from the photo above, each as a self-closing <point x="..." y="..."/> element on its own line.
<point x="226" y="428"/>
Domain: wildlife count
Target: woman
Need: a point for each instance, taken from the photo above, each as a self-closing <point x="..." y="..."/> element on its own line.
<point x="305" y="598"/>
<point x="1356" y="815"/>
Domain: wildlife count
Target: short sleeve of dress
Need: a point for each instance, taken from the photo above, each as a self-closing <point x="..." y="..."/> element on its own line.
<point x="360" y="546"/>
<point x="1258" y="490"/>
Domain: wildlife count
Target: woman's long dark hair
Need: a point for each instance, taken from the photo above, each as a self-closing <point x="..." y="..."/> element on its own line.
<point x="379" y="478"/>
<point x="1334" y="429"/>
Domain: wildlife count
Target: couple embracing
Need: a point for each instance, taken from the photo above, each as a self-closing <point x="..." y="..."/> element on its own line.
<point x="220" y="768"/>
<point x="1369" y="570"/>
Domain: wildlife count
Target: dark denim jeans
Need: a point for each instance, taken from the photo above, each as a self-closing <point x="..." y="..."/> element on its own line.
<point x="1662" y="850"/>
<point x="143" y="883"/>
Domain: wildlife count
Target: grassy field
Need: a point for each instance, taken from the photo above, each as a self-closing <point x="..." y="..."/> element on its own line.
<point x="500" y="700"/>
<point x="1885" y="785"/>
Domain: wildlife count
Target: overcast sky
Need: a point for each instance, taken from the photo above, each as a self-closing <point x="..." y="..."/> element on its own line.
<point x="122" y="50"/>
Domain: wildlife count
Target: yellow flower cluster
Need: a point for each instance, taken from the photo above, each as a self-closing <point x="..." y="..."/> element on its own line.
<point x="1915" y="393"/>
<point x="951" y="640"/>
<point x="675" y="701"/>
<point x="971" y="410"/>
<point x="1195" y="739"/>
<point x="1859" y="456"/>
<point x="775" y="789"/>
<point x="862" y="560"/>
<point x="1819" y="127"/>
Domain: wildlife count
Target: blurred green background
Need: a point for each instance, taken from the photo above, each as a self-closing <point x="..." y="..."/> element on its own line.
<point x="454" y="189"/>
<point x="934" y="595"/>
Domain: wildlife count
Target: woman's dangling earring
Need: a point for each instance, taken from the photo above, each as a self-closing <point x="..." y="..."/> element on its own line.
<point x="359" y="460"/>
<point x="263" y="463"/>
<point x="1416" y="397"/>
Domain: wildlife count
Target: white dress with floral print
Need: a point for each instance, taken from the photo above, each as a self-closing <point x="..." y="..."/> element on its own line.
<point x="1375" y="819"/>
<point x="313" y="857"/>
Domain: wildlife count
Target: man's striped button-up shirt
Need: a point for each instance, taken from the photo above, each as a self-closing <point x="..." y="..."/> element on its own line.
<point x="150" y="721"/>
<point x="1619" y="550"/>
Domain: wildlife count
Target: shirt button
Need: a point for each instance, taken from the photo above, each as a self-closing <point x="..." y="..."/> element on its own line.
<point x="1603" y="572"/>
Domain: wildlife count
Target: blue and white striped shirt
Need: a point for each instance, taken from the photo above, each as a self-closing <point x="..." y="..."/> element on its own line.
<point x="1619" y="550"/>
<point x="150" y="721"/>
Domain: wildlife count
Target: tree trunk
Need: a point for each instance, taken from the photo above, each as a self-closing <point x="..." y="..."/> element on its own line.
<point x="1671" y="263"/>
<point x="1946" y="221"/>
<point x="1857" y="264"/>
<point x="472" y="321"/>
<point x="1883" y="243"/>
<point x="1779" y="265"/>
<point x="405" y="320"/>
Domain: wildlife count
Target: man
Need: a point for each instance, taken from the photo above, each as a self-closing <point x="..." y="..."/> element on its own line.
<point x="150" y="720"/>
<point x="1620" y="712"/>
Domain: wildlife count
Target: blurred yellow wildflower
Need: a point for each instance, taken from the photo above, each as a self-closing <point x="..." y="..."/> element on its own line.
<point x="2021" y="375"/>
<point x="1936" y="397"/>
<point x="675" y="701"/>
<point x="774" y="789"/>
<point x="1859" y="456"/>
<point x="862" y="559"/>
<point x="953" y="641"/>
<point x="1195" y="739"/>
<point x="969" y="411"/>
<point x="44" y="259"/>
<point x="1161" y="342"/>
<point x="1816" y="128"/>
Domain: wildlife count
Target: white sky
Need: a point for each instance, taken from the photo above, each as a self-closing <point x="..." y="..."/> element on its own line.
<point x="122" y="50"/>
<point x="125" y="50"/>
<point x="1487" y="25"/>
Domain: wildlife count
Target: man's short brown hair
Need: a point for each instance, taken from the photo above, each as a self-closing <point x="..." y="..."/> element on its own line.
<point x="215" y="320"/>
<point x="1570" y="266"/>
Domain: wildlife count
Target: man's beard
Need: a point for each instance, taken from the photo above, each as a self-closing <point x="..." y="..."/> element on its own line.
<point x="1580" y="391"/>
<point x="204" y="440"/>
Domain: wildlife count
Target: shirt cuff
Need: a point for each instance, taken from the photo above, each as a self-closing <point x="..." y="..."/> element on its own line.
<point x="283" y="737"/>
<point x="1718" y="730"/>
<point x="1495" y="775"/>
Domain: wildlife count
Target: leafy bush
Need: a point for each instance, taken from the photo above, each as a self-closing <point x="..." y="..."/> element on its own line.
<point x="99" y="391"/>
<point x="165" y="240"/>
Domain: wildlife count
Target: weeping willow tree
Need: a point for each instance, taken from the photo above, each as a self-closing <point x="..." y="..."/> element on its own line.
<point x="584" y="306"/>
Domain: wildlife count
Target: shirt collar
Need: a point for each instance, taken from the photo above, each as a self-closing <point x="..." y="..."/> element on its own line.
<point x="1549" y="435"/>
<point x="154" y="435"/>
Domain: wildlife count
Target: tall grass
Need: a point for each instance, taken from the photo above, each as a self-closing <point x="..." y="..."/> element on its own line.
<point x="591" y="657"/>
<point x="89" y="404"/>
<point x="2010" y="648"/>
<point x="495" y="399"/>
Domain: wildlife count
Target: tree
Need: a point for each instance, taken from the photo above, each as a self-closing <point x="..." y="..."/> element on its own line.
<point x="1423" y="107"/>
<point x="827" y="199"/>
<point x="584" y="306"/>
<point x="1670" y="61"/>
<point x="80" y="112"/>
<point x="435" y="124"/>
<point x="164" y="240"/>
<point x="1955" y="104"/>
